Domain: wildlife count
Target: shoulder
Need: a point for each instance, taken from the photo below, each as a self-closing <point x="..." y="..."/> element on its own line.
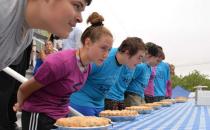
<point x="6" y="7"/>
<point x="62" y="59"/>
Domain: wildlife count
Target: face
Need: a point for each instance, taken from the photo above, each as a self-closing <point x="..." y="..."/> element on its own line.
<point x="61" y="15"/>
<point x="99" y="50"/>
<point x="136" y="59"/>
<point x="151" y="60"/>
<point x="159" y="59"/>
<point x="48" y="45"/>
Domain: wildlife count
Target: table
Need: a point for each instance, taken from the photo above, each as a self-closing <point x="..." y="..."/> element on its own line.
<point x="179" y="116"/>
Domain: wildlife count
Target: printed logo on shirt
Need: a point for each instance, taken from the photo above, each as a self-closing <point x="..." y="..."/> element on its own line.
<point x="160" y="75"/>
<point x="77" y="86"/>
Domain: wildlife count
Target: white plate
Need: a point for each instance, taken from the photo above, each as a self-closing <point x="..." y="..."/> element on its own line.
<point x="121" y="118"/>
<point x="84" y="128"/>
<point x="145" y="111"/>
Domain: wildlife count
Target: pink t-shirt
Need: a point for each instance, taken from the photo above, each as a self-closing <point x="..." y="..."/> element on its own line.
<point x="61" y="76"/>
<point x="169" y="88"/>
<point x="149" y="90"/>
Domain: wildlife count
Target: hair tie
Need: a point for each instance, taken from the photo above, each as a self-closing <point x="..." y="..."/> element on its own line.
<point x="97" y="24"/>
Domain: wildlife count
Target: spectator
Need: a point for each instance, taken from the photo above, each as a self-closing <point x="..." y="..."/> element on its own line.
<point x="48" y="49"/>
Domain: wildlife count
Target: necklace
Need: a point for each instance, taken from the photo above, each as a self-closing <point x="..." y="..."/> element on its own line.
<point x="80" y="59"/>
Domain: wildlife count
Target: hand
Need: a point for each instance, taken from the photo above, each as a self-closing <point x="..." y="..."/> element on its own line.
<point x="17" y="107"/>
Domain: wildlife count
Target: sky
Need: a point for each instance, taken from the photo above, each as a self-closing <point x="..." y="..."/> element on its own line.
<point x="181" y="27"/>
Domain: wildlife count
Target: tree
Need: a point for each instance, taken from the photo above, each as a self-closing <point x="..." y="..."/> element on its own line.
<point x="191" y="80"/>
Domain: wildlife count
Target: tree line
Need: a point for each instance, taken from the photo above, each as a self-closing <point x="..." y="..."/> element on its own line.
<point x="191" y="80"/>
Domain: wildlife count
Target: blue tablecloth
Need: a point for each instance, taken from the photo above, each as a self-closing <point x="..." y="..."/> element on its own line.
<point x="179" y="116"/>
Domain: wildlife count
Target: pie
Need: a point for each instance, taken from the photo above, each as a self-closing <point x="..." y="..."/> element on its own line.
<point x="107" y="113"/>
<point x="83" y="121"/>
<point x="181" y="99"/>
<point x="155" y="104"/>
<point x="139" y="108"/>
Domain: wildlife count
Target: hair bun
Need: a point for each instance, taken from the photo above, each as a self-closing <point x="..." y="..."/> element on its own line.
<point x="95" y="19"/>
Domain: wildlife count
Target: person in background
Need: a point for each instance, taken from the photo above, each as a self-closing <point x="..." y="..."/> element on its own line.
<point x="115" y="97"/>
<point x="161" y="79"/>
<point x="45" y="97"/>
<point x="169" y="83"/>
<point x="149" y="90"/>
<point x="90" y="99"/>
<point x="17" y="19"/>
<point x="73" y="40"/>
<point x="48" y="49"/>
<point x="56" y="41"/>
<point x="32" y="55"/>
<point x="172" y="69"/>
<point x="134" y="94"/>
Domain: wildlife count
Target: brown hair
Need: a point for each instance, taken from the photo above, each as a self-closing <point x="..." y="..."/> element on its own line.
<point x="96" y="30"/>
<point x="133" y="45"/>
<point x="88" y="2"/>
<point x="160" y="52"/>
<point x="172" y="69"/>
<point x="152" y="49"/>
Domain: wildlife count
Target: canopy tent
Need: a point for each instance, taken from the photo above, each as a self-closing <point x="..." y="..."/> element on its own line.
<point x="179" y="91"/>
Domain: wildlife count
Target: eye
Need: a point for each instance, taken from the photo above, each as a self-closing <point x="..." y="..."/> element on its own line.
<point x="77" y="7"/>
<point x="103" y="48"/>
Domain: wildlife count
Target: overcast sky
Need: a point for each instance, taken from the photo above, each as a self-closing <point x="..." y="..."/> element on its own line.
<point x="181" y="27"/>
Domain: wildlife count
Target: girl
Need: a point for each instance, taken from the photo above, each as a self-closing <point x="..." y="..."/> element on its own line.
<point x="45" y="97"/>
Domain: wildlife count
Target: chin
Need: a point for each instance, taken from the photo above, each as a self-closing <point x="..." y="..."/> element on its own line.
<point x="63" y="34"/>
<point x="132" y="67"/>
<point x="99" y="62"/>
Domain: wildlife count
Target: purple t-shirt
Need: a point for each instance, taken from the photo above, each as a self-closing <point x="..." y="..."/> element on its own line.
<point x="61" y="76"/>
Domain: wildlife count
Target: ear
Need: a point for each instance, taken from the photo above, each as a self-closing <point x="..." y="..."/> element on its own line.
<point x="88" y="42"/>
<point x="127" y="53"/>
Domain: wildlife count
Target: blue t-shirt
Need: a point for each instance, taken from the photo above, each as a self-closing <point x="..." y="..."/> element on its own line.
<point x="140" y="79"/>
<point x="99" y="81"/>
<point x="116" y="92"/>
<point x="161" y="78"/>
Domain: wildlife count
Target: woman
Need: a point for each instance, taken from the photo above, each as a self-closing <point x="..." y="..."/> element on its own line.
<point x="48" y="49"/>
<point x="46" y="95"/>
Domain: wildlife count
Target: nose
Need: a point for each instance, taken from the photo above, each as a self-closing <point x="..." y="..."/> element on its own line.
<point x="106" y="54"/>
<point x="79" y="17"/>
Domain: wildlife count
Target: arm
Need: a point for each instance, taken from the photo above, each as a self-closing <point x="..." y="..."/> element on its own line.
<point x="42" y="55"/>
<point x="168" y="83"/>
<point x="25" y="90"/>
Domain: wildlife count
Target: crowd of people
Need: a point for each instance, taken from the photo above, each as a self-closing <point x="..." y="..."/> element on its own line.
<point x="86" y="72"/>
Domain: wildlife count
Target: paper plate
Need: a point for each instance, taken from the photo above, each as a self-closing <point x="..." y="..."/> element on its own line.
<point x="166" y="105"/>
<point x="156" y="107"/>
<point x="84" y="128"/>
<point x="145" y="111"/>
<point x="121" y="118"/>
